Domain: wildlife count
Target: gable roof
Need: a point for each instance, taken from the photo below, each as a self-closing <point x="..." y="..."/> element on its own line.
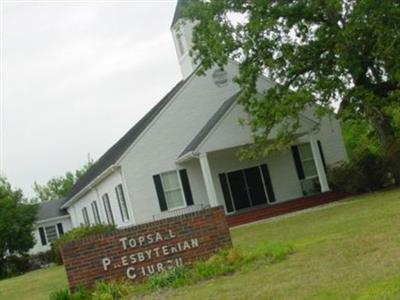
<point x="203" y="133"/>
<point x="51" y="209"/>
<point x="178" y="11"/>
<point x="118" y="149"/>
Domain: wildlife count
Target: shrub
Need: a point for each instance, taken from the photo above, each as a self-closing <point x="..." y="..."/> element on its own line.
<point x="62" y="294"/>
<point x="41" y="259"/>
<point x="111" y="291"/>
<point x="14" y="265"/>
<point x="365" y="173"/>
<point x="172" y="278"/>
<point x="223" y="263"/>
<point x="81" y="293"/>
<point x="77" y="234"/>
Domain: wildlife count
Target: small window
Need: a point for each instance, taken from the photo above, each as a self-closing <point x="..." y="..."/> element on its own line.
<point x="122" y="203"/>
<point x="307" y="160"/>
<point x="107" y="209"/>
<point x="51" y="233"/>
<point x="42" y="236"/>
<point x="60" y="229"/>
<point x="95" y="211"/>
<point x="172" y="190"/>
<point x="85" y="216"/>
<point x="181" y="47"/>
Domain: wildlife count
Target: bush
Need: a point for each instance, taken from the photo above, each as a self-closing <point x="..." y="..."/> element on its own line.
<point x="365" y="173"/>
<point x="77" y="234"/>
<point x="169" y="279"/>
<point x="42" y="259"/>
<point x="62" y="294"/>
<point x="14" y="265"/>
<point x="102" y="291"/>
<point x="223" y="263"/>
<point x="111" y="291"/>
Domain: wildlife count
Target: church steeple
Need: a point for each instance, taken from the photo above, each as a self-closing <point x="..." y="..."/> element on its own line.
<point x="182" y="35"/>
<point x="178" y="11"/>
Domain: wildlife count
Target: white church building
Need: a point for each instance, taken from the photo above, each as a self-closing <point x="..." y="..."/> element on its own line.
<point x="183" y="154"/>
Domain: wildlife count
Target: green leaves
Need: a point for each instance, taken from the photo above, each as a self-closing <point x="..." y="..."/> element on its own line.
<point x="323" y="53"/>
<point x="16" y="221"/>
<point x="58" y="187"/>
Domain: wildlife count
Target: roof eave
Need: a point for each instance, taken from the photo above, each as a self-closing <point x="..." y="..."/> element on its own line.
<point x="90" y="186"/>
<point x="39" y="222"/>
<point x="187" y="156"/>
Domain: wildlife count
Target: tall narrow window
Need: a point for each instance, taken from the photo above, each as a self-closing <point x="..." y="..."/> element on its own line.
<point x="181" y="47"/>
<point x="122" y="203"/>
<point x="307" y="160"/>
<point x="95" y="211"/>
<point x="60" y="229"/>
<point x="172" y="190"/>
<point x="107" y="209"/>
<point x="85" y="216"/>
<point x="306" y="169"/>
<point x="42" y="236"/>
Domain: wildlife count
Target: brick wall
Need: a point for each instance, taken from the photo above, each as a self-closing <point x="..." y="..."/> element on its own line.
<point x="136" y="252"/>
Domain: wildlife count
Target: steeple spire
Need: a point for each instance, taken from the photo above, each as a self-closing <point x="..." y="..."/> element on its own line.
<point x="178" y="11"/>
<point x="182" y="34"/>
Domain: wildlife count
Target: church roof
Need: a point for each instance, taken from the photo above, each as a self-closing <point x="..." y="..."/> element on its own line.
<point x="178" y="11"/>
<point x="118" y="149"/>
<point x="50" y="209"/>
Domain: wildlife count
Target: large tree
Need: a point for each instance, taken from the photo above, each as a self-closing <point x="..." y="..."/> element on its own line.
<point x="322" y="53"/>
<point x="59" y="186"/>
<point x="16" y="222"/>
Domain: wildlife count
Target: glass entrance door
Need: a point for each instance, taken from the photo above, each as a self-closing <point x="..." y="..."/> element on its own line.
<point x="246" y="188"/>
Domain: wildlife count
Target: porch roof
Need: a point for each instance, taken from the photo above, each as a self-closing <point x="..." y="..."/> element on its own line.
<point x="306" y="125"/>
<point x="196" y="141"/>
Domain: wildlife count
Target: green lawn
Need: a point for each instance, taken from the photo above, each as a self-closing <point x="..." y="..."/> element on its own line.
<point x="349" y="250"/>
<point x="35" y="285"/>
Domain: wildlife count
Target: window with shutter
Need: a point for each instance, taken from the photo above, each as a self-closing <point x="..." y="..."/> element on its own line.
<point x="172" y="190"/>
<point x="171" y="194"/>
<point x="60" y="229"/>
<point x="122" y="203"/>
<point x="107" y="209"/>
<point x="42" y="236"/>
<point x="95" y="211"/>
<point x="85" y="216"/>
<point x="51" y="233"/>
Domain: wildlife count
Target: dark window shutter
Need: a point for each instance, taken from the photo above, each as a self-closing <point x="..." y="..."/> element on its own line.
<point x="60" y="229"/>
<point x="268" y="183"/>
<point x="322" y="154"/>
<point x="42" y="236"/>
<point x="225" y="191"/>
<point x="297" y="162"/>
<point x="186" y="187"/>
<point x="160" y="192"/>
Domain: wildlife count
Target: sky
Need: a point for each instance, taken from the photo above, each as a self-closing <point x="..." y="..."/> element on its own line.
<point x="76" y="75"/>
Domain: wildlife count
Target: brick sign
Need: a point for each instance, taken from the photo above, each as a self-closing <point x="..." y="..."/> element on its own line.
<point x="136" y="252"/>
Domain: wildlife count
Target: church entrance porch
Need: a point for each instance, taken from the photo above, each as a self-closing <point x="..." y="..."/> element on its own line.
<point x="268" y="211"/>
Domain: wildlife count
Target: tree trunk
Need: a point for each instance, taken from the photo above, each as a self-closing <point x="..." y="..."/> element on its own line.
<point x="390" y="144"/>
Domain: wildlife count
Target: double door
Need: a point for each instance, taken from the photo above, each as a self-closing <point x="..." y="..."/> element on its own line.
<point x="247" y="188"/>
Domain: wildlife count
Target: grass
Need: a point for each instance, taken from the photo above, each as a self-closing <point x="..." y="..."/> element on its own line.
<point x="36" y="285"/>
<point x="348" y="251"/>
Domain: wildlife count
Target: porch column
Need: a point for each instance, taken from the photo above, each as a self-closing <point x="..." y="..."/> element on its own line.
<point x="323" y="181"/>
<point x="208" y="181"/>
